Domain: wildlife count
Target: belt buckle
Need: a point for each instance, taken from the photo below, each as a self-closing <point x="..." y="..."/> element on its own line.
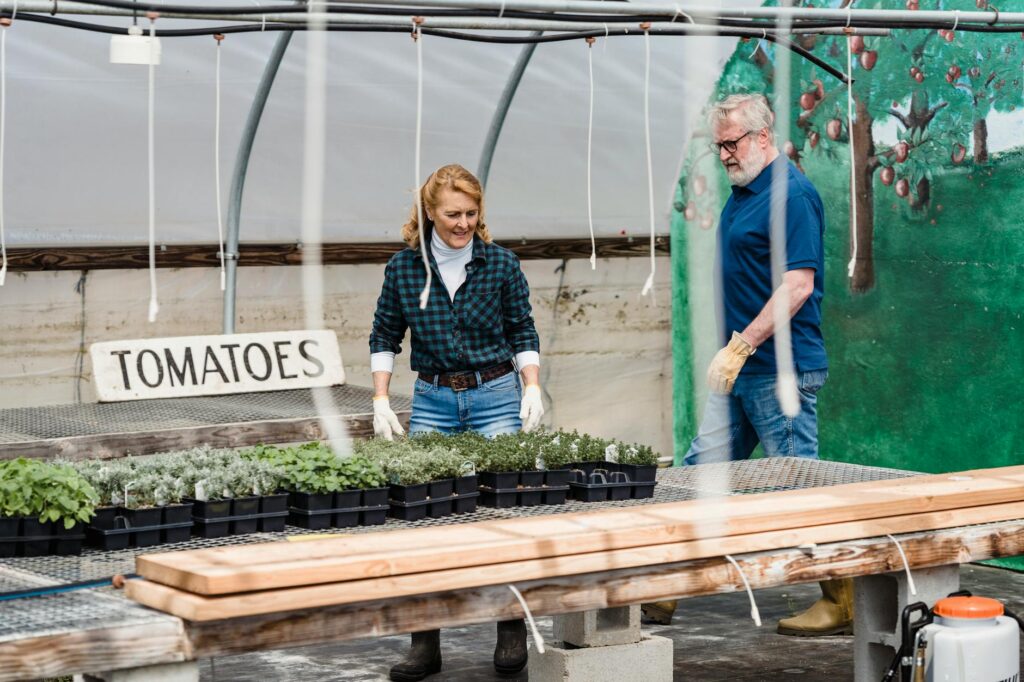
<point x="462" y="381"/>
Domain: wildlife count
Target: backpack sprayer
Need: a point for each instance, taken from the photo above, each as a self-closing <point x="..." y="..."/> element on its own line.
<point x="962" y="639"/>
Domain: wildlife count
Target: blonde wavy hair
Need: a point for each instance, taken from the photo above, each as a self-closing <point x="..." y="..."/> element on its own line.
<point x="454" y="177"/>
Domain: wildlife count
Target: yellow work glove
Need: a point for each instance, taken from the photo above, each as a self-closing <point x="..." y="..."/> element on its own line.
<point x="727" y="363"/>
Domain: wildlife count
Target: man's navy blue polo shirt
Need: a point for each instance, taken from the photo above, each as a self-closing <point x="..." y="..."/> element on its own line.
<point x="744" y="247"/>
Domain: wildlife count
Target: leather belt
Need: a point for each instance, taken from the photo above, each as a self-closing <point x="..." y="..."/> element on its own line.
<point x="461" y="381"/>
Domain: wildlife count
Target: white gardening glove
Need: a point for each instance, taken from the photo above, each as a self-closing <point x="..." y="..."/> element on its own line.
<point x="532" y="407"/>
<point x="385" y="421"/>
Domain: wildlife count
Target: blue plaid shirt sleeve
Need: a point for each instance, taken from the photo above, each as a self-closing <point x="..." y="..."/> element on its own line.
<point x="518" y="314"/>
<point x="389" y="322"/>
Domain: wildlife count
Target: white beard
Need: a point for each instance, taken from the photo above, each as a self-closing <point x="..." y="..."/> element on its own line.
<point x="745" y="172"/>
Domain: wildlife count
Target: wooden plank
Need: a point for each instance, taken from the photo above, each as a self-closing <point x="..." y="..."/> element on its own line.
<point x="94" y="650"/>
<point x="277" y="565"/>
<point x="202" y="608"/>
<point x="602" y="590"/>
<point x="127" y="257"/>
<point x="113" y="445"/>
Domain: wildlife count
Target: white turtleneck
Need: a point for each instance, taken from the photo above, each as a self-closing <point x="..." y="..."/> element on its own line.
<point x="451" y="263"/>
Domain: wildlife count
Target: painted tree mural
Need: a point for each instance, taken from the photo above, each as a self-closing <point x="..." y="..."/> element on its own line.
<point x="939" y="87"/>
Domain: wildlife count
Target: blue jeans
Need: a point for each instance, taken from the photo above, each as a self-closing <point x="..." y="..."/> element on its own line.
<point x="734" y="424"/>
<point x="489" y="409"/>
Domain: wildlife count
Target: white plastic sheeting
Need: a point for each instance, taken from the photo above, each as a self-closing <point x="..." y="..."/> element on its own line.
<point x="76" y="161"/>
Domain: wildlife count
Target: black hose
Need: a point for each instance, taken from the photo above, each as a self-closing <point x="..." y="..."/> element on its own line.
<point x="441" y="33"/>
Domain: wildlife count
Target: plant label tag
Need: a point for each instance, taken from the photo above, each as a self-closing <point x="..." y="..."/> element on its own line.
<point x="184" y="366"/>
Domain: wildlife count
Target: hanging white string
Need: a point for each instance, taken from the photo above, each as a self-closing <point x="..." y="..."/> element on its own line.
<point x="417" y="36"/>
<point x="956" y="19"/>
<point x="786" y="388"/>
<point x="537" y="639"/>
<point x="649" y="284"/>
<point x="590" y="140"/>
<point x="754" y="613"/>
<point x="154" y="307"/>
<point x="3" y="138"/>
<point x="501" y="12"/>
<point x="906" y="565"/>
<point x="216" y="163"/>
<point x="853" y="166"/>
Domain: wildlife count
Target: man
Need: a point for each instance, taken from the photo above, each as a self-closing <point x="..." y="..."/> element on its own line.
<point x="743" y="408"/>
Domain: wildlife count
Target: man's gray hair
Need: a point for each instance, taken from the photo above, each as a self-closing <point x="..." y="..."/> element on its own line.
<point x="751" y="112"/>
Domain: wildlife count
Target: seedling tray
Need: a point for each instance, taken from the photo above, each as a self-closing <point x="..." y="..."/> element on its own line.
<point x="27" y="536"/>
<point x="122" y="538"/>
<point x="119" y="528"/>
<point x="341" y="509"/>
<point x="434" y="507"/>
<point x="503" y="498"/>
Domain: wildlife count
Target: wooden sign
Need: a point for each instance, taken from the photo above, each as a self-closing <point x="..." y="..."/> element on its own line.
<point x="183" y="366"/>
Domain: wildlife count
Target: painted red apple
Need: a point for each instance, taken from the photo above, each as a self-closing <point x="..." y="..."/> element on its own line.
<point x="700" y="184"/>
<point x="868" y="58"/>
<point x="834" y="128"/>
<point x="954" y="72"/>
<point x="807" y="101"/>
<point x="919" y="77"/>
<point x="913" y="5"/>
<point x="902" y="187"/>
<point x="857" y="44"/>
<point x="814" y="138"/>
<point x="981" y="4"/>
<point x="914" y="71"/>
<point x="959" y="152"/>
<point x="819" y="89"/>
<point x="901" y="150"/>
<point x="887" y="175"/>
<point x="691" y="211"/>
<point x="950" y="35"/>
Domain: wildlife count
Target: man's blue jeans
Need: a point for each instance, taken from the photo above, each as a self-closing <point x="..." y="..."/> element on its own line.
<point x="734" y="424"/>
<point x="490" y="409"/>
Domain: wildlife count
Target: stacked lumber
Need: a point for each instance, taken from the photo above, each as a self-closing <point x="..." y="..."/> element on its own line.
<point x="231" y="582"/>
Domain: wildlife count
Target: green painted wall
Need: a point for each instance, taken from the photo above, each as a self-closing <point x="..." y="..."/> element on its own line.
<point x="927" y="360"/>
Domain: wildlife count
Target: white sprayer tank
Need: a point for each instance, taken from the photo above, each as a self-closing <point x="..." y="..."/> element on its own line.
<point x="971" y="641"/>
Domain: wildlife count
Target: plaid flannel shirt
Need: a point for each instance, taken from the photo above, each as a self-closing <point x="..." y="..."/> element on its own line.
<point x="489" y="321"/>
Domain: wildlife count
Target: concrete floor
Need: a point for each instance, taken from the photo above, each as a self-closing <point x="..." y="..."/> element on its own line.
<point x="715" y="640"/>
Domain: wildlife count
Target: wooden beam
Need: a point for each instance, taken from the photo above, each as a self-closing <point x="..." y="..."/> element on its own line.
<point x="242" y="434"/>
<point x="601" y="590"/>
<point x="128" y="257"/>
<point x="279" y="565"/>
<point x="195" y="607"/>
<point x="94" y="650"/>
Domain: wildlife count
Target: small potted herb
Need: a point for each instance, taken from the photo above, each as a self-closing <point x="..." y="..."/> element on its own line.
<point x="43" y="506"/>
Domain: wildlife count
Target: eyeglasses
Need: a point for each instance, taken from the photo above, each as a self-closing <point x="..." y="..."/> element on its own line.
<point x="728" y="145"/>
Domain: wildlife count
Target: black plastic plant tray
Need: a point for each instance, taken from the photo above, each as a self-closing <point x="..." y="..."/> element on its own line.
<point x="556" y="477"/>
<point x="236" y="524"/>
<point x="59" y="542"/>
<point x="337" y="518"/>
<point x="122" y="538"/>
<point x="555" y="495"/>
<point x="464" y="503"/>
<point x="465" y="485"/>
<point x="503" y="498"/>
<point x="643" y="490"/>
<point x="599" y="492"/>
<point x="640" y="473"/>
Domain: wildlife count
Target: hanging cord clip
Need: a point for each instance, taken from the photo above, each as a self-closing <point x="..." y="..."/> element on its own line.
<point x="416" y="23"/>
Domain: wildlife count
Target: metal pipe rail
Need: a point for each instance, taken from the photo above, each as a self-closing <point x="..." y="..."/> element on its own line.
<point x="761" y="18"/>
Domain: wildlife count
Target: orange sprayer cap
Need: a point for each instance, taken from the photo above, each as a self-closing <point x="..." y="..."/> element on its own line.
<point x="968" y="607"/>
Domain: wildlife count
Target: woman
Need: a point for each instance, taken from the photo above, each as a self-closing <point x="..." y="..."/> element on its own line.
<point x="475" y="329"/>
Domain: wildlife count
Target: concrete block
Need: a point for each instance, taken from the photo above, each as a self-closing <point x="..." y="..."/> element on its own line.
<point x="601" y="627"/>
<point x="879" y="601"/>
<point x="187" y="671"/>
<point x="649" y="660"/>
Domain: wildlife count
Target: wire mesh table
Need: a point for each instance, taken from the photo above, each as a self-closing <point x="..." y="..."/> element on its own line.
<point x="103" y="607"/>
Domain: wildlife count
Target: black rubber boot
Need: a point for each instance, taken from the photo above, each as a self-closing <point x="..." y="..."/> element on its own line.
<point x="510" y="651"/>
<point x="424" y="658"/>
